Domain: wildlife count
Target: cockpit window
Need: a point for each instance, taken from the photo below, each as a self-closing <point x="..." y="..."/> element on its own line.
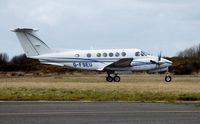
<point x="137" y="53"/>
<point x="144" y="53"/>
<point x="141" y="53"/>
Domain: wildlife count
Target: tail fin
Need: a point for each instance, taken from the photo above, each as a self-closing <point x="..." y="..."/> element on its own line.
<point x="32" y="45"/>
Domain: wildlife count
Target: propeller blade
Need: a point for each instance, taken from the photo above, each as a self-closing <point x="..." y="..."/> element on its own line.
<point x="159" y="56"/>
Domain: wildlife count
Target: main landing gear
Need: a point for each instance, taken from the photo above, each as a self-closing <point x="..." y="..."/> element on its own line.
<point x="114" y="78"/>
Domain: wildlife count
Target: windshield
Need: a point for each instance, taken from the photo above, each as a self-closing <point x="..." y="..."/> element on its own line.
<point x="143" y="53"/>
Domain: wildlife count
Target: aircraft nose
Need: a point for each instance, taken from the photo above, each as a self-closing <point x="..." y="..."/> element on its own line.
<point x="168" y="62"/>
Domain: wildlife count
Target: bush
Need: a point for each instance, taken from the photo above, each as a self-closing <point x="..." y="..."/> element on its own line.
<point x="183" y="66"/>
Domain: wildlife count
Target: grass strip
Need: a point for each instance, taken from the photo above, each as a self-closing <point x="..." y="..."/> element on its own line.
<point x="29" y="94"/>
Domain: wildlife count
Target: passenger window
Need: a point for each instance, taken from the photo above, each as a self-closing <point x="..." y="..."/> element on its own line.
<point x="98" y="54"/>
<point x="137" y="53"/>
<point x="117" y="54"/>
<point x="104" y="54"/>
<point x="123" y="54"/>
<point x="77" y="55"/>
<point x="89" y="55"/>
<point x="111" y="54"/>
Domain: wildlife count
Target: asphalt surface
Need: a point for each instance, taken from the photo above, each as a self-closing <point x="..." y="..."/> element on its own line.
<point x="98" y="113"/>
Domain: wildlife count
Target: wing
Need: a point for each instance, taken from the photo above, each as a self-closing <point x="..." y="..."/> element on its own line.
<point x="125" y="62"/>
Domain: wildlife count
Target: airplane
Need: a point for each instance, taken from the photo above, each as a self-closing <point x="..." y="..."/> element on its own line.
<point x="112" y="61"/>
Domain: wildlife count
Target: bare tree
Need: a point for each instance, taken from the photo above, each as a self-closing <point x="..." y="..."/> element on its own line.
<point x="4" y="58"/>
<point x="18" y="59"/>
<point x="192" y="52"/>
<point x="198" y="50"/>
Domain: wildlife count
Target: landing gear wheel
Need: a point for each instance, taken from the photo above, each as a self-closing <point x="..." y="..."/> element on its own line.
<point x="117" y="79"/>
<point x="168" y="78"/>
<point x="109" y="79"/>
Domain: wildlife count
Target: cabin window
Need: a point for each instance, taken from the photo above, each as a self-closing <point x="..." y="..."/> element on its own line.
<point x="123" y="53"/>
<point x="117" y="54"/>
<point x="137" y="53"/>
<point x="89" y="55"/>
<point x="111" y="54"/>
<point x="77" y="55"/>
<point x="104" y="54"/>
<point x="98" y="54"/>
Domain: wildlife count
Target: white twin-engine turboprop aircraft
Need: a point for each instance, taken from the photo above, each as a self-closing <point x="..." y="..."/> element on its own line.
<point x="112" y="61"/>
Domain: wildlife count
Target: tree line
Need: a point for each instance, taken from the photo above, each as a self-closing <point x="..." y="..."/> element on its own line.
<point x="186" y="62"/>
<point x="24" y="64"/>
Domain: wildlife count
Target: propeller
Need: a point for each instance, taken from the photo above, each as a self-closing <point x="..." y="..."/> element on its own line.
<point x="159" y="59"/>
<point x="158" y="62"/>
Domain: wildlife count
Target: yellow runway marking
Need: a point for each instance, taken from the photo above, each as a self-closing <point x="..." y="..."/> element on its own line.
<point x="94" y="112"/>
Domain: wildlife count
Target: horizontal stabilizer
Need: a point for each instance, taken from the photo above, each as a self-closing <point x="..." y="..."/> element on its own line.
<point x="23" y="30"/>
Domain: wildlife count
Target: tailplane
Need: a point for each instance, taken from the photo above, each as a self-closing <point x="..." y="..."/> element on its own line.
<point x="32" y="45"/>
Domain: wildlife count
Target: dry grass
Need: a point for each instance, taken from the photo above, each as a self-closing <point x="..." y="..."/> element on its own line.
<point x="129" y="83"/>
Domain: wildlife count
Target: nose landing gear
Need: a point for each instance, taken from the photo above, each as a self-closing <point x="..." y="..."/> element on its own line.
<point x="168" y="78"/>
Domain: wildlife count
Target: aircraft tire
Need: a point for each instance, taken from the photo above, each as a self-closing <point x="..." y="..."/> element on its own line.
<point x="109" y="79"/>
<point x="168" y="78"/>
<point x="117" y="79"/>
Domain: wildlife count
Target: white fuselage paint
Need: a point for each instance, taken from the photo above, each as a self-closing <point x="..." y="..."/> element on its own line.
<point x="96" y="60"/>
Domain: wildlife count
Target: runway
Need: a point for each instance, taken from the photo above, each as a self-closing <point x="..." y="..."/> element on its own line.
<point x="98" y="113"/>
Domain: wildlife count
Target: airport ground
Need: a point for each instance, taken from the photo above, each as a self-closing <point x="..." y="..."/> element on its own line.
<point x="139" y="99"/>
<point x="93" y="87"/>
<point x="98" y="113"/>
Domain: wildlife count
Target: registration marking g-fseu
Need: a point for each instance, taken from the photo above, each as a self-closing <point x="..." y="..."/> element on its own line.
<point x="82" y="64"/>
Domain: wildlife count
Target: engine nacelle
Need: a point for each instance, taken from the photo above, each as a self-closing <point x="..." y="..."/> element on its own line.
<point x="159" y="70"/>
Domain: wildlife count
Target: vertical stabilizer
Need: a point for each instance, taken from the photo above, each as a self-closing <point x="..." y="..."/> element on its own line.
<point x="32" y="45"/>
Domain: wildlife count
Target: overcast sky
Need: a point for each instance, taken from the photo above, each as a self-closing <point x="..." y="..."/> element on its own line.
<point x="151" y="25"/>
